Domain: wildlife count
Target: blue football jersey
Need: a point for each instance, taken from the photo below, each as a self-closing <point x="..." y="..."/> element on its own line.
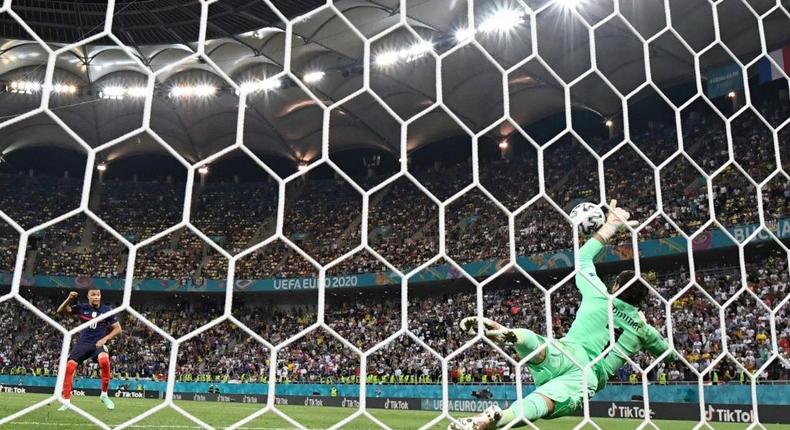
<point x="95" y="331"/>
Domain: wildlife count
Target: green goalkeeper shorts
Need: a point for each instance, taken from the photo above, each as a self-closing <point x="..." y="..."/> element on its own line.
<point x="559" y="379"/>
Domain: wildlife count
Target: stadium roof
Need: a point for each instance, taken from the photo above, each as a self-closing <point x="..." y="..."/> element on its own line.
<point x="245" y="42"/>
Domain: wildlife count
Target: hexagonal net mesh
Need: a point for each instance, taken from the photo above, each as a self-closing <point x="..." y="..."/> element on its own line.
<point x="678" y="112"/>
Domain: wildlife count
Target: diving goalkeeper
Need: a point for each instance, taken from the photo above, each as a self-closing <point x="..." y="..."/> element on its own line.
<point x="560" y="383"/>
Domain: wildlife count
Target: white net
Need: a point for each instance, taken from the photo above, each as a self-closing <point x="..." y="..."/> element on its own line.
<point x="690" y="101"/>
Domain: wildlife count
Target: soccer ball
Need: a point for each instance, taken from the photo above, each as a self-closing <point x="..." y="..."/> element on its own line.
<point x="588" y="217"/>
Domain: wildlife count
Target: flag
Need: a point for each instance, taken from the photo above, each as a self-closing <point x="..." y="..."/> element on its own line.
<point x="768" y="71"/>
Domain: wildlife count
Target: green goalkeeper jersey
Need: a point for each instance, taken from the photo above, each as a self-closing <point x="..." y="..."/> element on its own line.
<point x="629" y="344"/>
<point x="589" y="328"/>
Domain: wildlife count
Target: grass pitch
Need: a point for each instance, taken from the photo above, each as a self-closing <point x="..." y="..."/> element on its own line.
<point x="221" y="415"/>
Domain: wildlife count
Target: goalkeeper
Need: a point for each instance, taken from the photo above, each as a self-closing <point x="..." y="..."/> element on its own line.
<point x="560" y="383"/>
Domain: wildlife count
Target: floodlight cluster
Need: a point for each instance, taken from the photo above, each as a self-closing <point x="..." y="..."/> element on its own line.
<point x="31" y="87"/>
<point x="501" y="21"/>
<point x="120" y="93"/>
<point x="313" y="77"/>
<point x="406" y="55"/>
<point x="200" y="90"/>
<point x="261" y="85"/>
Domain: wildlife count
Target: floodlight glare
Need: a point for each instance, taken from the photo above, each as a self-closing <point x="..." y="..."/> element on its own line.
<point x="264" y="85"/>
<point x="112" y="92"/>
<point x="64" y="89"/>
<point x="569" y="4"/>
<point x="418" y="50"/>
<point x="28" y="87"/>
<point x="464" y="34"/>
<point x="502" y="21"/>
<point x="270" y="84"/>
<point x="181" y="91"/>
<point x="387" y="58"/>
<point x="313" y="77"/>
<point x="136" y="91"/>
<point x="205" y="90"/>
<point x="413" y="52"/>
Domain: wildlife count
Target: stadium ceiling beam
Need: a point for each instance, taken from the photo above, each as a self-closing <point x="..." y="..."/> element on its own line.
<point x="168" y="29"/>
<point x="227" y="34"/>
<point x="280" y="139"/>
<point x="183" y="125"/>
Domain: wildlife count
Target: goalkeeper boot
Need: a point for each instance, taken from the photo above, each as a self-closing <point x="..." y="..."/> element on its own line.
<point x="485" y="421"/>
<point x="105" y="399"/>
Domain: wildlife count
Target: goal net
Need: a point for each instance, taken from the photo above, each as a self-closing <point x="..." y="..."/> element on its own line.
<point x="291" y="206"/>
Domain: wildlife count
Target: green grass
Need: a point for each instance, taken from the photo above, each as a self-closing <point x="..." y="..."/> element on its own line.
<point x="221" y="415"/>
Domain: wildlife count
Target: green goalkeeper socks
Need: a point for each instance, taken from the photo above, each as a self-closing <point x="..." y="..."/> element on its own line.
<point x="526" y="341"/>
<point x="533" y="407"/>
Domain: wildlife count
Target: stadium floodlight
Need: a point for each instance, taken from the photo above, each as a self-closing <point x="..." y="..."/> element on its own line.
<point x="136" y="91"/>
<point x="609" y="123"/>
<point x="503" y="144"/>
<point x="101" y="167"/>
<point x="203" y="169"/>
<point x="181" y="91"/>
<point x="412" y="53"/>
<point x="112" y="92"/>
<point x="569" y="4"/>
<point x="313" y="77"/>
<point x="502" y="21"/>
<point x="418" y="50"/>
<point x="205" y="90"/>
<point x="464" y="34"/>
<point x="302" y="167"/>
<point x="116" y="92"/>
<point x="269" y="84"/>
<point x="27" y="87"/>
<point x="64" y="89"/>
<point x="202" y="90"/>
<point x="732" y="94"/>
<point x="261" y="85"/>
<point x="387" y="58"/>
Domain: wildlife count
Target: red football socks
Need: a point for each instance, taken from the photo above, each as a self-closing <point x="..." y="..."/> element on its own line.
<point x="71" y="366"/>
<point x="104" y="367"/>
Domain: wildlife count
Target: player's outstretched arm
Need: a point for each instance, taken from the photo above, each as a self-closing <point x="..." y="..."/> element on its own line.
<point x="586" y="278"/>
<point x="65" y="307"/>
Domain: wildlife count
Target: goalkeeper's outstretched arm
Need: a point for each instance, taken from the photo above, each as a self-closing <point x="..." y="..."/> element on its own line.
<point x="587" y="280"/>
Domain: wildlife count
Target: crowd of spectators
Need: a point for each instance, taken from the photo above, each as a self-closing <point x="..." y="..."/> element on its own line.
<point x="139" y="210"/>
<point x="234" y="214"/>
<point x="32" y="200"/>
<point x="226" y="352"/>
<point x="64" y="249"/>
<point x="322" y="216"/>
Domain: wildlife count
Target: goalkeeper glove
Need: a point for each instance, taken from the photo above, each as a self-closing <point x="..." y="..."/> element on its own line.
<point x="491" y="329"/>
<point x="616" y="220"/>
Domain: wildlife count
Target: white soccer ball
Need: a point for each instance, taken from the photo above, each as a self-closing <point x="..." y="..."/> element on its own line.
<point x="588" y="217"/>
